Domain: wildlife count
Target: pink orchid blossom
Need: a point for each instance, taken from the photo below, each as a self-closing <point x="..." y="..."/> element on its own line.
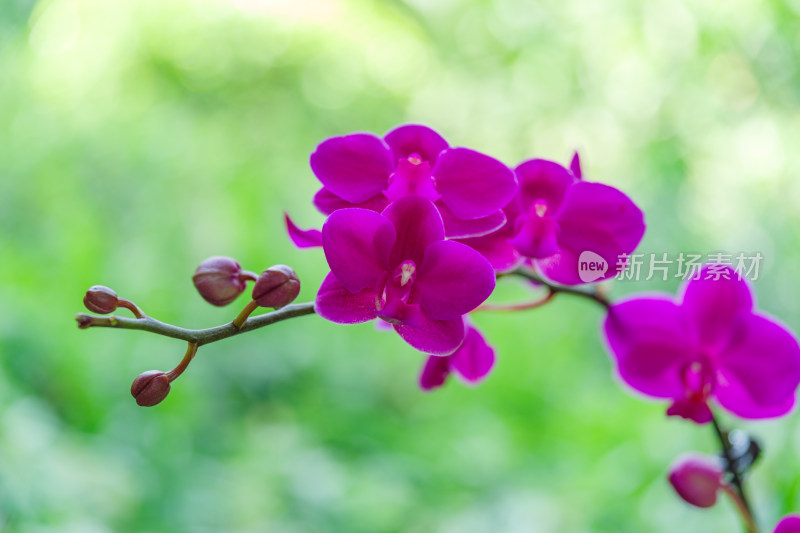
<point x="472" y="362"/>
<point x="710" y="344"/>
<point x="363" y="170"/>
<point x="556" y="217"/>
<point x="396" y="266"/>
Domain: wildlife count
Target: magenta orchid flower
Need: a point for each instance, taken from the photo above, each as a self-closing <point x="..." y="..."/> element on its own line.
<point x="710" y="344"/>
<point x="396" y="266"/>
<point x="559" y="222"/>
<point x="472" y="361"/>
<point x="363" y="170"/>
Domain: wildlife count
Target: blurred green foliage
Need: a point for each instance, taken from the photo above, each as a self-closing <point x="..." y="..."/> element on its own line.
<point x="138" y="138"/>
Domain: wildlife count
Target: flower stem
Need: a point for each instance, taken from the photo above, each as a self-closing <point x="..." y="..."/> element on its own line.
<point x="593" y="294"/>
<point x="742" y="508"/>
<point x="738" y="485"/>
<point x="198" y="336"/>
<point x="127" y="304"/>
<point x="240" y="319"/>
<point x="524" y="306"/>
<point x="178" y="370"/>
<point x="246" y="275"/>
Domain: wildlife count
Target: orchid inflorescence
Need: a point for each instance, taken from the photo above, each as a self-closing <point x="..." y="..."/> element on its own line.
<point x="417" y="234"/>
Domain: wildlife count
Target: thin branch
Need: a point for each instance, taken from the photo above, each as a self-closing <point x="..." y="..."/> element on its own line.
<point x="736" y="479"/>
<point x="523" y="306"/>
<point x="593" y="294"/>
<point x="197" y="336"/>
<point x="733" y="493"/>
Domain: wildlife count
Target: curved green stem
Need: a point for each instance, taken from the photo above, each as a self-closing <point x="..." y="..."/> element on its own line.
<point x="594" y="294"/>
<point x="197" y="336"/>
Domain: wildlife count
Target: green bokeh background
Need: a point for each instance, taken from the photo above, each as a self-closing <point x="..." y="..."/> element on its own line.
<point x="139" y="137"/>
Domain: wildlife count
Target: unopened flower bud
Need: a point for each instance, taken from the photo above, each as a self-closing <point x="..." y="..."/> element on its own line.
<point x="276" y="286"/>
<point x="697" y="479"/>
<point x="150" y="387"/>
<point x="219" y="280"/>
<point x="100" y="299"/>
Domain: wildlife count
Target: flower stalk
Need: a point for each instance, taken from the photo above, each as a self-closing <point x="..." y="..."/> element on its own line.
<point x="191" y="351"/>
<point x="199" y="336"/>
<point x="241" y="318"/>
<point x="737" y="492"/>
<point x="596" y="294"/>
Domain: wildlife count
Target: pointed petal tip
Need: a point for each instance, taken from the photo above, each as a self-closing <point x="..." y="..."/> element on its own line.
<point x="310" y="238"/>
<point x="575" y="166"/>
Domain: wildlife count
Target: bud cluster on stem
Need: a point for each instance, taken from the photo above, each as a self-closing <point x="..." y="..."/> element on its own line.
<point x="219" y="280"/>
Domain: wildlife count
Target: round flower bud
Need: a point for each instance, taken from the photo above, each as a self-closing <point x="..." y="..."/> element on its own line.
<point x="276" y="286"/>
<point x="150" y="387"/>
<point x="218" y="280"/>
<point x="100" y="299"/>
<point x="697" y="479"/>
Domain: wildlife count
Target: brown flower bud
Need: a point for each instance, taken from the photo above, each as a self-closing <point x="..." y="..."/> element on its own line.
<point x="150" y="387"/>
<point x="100" y="299"/>
<point x="276" y="286"/>
<point x="219" y="280"/>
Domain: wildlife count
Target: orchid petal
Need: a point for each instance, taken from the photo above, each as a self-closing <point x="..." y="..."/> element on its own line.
<point x="650" y="343"/>
<point x="497" y="249"/>
<point x="537" y="237"/>
<point x="436" y="337"/>
<point x="401" y="313"/>
<point x="453" y="280"/>
<point x="434" y="372"/>
<point x="788" y="524"/>
<point x="335" y="303"/>
<point x="411" y="179"/>
<point x="593" y="218"/>
<point x="354" y="167"/>
<point x="357" y="243"/>
<point x="456" y="228"/>
<point x="575" y="166"/>
<point x="302" y="238"/>
<point x="544" y="181"/>
<point x="417" y="223"/>
<point x="474" y="359"/>
<point x="759" y="370"/>
<point x="327" y="202"/>
<point x="713" y="305"/>
<point x="415" y="139"/>
<point x="473" y="185"/>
